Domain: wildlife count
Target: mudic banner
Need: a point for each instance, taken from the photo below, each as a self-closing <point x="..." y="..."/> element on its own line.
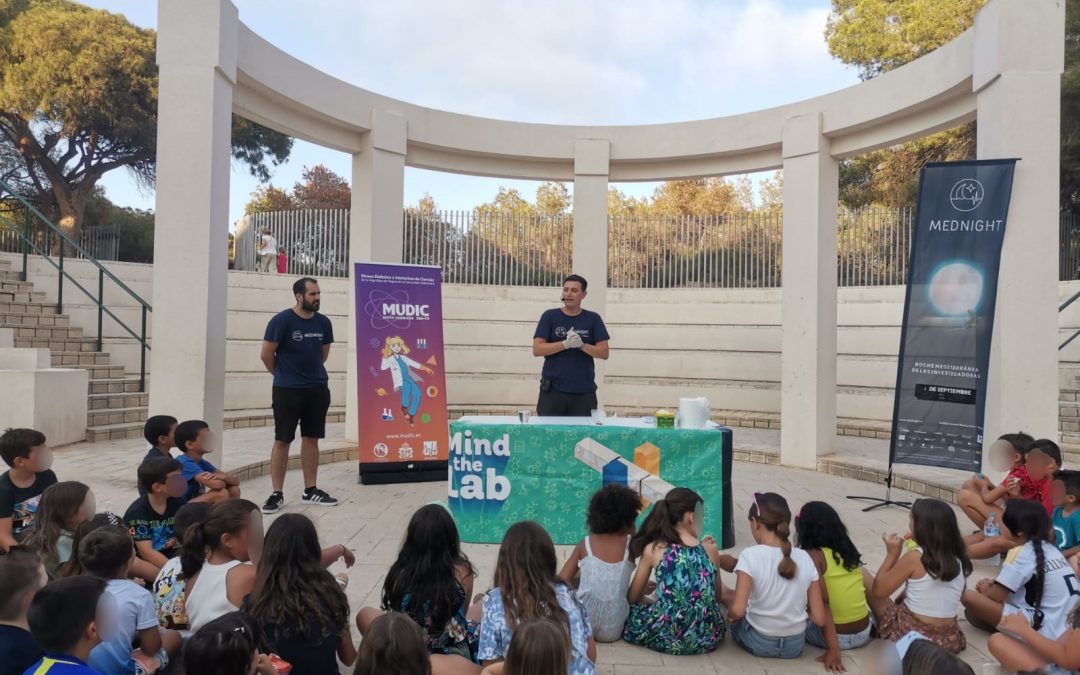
<point x="400" y="376"/>
<point x="949" y="313"/>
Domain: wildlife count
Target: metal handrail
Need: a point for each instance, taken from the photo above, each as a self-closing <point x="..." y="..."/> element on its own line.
<point x="64" y="240"/>
<point x="1065" y="304"/>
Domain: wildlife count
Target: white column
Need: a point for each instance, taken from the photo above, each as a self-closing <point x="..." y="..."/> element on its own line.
<point x="377" y="227"/>
<point x="808" y="351"/>
<point x="196" y="56"/>
<point x="1019" y="58"/>
<point x="590" y="258"/>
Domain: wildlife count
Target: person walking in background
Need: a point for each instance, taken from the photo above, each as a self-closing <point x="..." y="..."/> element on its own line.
<point x="268" y="251"/>
<point x="282" y="260"/>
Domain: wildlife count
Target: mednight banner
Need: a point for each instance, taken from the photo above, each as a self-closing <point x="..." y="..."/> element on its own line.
<point x="504" y="473"/>
<point x="949" y="314"/>
<point x="400" y="374"/>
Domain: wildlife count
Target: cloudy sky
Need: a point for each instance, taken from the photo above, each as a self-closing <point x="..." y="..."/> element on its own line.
<point x="560" y="61"/>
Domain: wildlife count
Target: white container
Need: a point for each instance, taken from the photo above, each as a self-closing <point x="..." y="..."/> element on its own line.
<point x="694" y="412"/>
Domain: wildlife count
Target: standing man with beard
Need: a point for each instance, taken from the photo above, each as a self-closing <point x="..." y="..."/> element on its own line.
<point x="294" y="350"/>
<point x="569" y="338"/>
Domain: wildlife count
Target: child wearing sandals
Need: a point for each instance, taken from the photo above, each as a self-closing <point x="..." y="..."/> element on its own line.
<point x="599" y="566"/>
<point x="844" y="581"/>
<point x="1035" y="581"/>
<point x="933" y="574"/>
<point x="685" y="618"/>
<point x="775" y="585"/>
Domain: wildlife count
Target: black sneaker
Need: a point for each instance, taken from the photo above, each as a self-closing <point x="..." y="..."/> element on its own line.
<point x="274" y="503"/>
<point x="316" y="496"/>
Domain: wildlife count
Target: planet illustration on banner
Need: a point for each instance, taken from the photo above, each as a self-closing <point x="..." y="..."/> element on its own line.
<point x="425" y="418"/>
<point x="956" y="289"/>
<point x="432" y="392"/>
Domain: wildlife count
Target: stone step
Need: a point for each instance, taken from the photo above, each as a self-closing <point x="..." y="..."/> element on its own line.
<point x="10" y="275"/>
<point x="21" y="296"/>
<point x="113" y="401"/>
<point x="45" y="332"/>
<point x="115" y="432"/>
<point x="69" y="359"/>
<point x="105" y="372"/>
<point x="116" y="385"/>
<point x="9" y="306"/>
<point x="99" y="418"/>
<point x="10" y="319"/>
<point x="15" y="285"/>
<point x="58" y="344"/>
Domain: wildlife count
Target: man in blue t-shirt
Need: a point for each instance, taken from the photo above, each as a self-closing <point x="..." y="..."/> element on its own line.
<point x="569" y="338"/>
<point x="295" y="347"/>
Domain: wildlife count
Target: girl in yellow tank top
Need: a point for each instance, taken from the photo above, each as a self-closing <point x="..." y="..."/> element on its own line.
<point x="820" y="532"/>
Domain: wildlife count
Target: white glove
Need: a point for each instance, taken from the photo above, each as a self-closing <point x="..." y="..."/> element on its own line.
<point x="573" y="340"/>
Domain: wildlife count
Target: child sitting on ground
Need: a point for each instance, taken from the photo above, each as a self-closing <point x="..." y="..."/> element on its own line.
<point x="21" y="575"/>
<point x="845" y="583"/>
<point x="1019" y="647"/>
<point x="431" y="581"/>
<point x="228" y="645"/>
<point x="1035" y="580"/>
<point x="599" y="566"/>
<point x="25" y="451"/>
<point x="933" y="575"/>
<point x="158" y="432"/>
<point x="528" y="587"/>
<point x="685" y="619"/>
<point x="63" y="507"/>
<point x="205" y="482"/>
<point x="774" y="586"/>
<point x="1065" y="493"/>
<point x="300" y="607"/>
<point x="539" y="647"/>
<point x="215" y="560"/>
<point x="68" y="619"/>
<point x="140" y="569"/>
<point x="107" y="553"/>
<point x="979" y="496"/>
<point x="1043" y="461"/>
<point x="168" y="587"/>
<point x="150" y="517"/>
<point x="394" y="644"/>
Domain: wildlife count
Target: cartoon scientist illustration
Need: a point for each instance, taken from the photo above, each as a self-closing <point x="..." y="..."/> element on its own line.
<point x="396" y="360"/>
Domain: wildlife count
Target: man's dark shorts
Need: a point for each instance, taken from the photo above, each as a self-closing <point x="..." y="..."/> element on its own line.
<point x="306" y="407"/>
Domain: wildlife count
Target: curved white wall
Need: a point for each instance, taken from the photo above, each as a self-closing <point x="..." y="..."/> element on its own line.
<point x="1006" y="71"/>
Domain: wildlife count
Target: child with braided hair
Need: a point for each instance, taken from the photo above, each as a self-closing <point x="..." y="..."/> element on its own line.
<point x="1036" y="581"/>
<point x="775" y="584"/>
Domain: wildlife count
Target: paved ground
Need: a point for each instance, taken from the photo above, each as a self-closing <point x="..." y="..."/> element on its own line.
<point x="371" y="520"/>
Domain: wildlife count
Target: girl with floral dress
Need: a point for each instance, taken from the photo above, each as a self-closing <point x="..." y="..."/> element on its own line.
<point x="685" y="618"/>
<point x="431" y="582"/>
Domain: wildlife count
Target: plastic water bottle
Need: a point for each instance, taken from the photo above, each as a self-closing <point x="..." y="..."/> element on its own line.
<point x="992" y="529"/>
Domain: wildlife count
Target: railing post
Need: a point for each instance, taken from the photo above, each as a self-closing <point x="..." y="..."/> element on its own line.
<point x="100" y="303"/>
<point x="26" y="244"/>
<point x="142" y="353"/>
<point x="60" y="277"/>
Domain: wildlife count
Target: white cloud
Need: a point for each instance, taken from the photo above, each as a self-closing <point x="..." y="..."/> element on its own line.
<point x="565" y="60"/>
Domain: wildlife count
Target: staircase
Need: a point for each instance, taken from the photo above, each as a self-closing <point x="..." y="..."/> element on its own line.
<point x="116" y="408"/>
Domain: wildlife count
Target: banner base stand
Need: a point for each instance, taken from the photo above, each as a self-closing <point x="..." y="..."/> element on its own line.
<point x="878" y="502"/>
<point x="402" y="472"/>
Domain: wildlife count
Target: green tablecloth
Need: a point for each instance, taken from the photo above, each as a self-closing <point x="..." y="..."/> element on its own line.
<point x="502" y="472"/>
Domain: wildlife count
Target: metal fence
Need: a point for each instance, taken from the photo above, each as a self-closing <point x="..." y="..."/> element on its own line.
<point x="316" y="241"/>
<point x="734" y="250"/>
<point x="102" y="242"/>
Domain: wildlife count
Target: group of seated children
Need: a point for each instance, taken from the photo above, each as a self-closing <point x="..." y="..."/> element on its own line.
<point x="222" y="596"/>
